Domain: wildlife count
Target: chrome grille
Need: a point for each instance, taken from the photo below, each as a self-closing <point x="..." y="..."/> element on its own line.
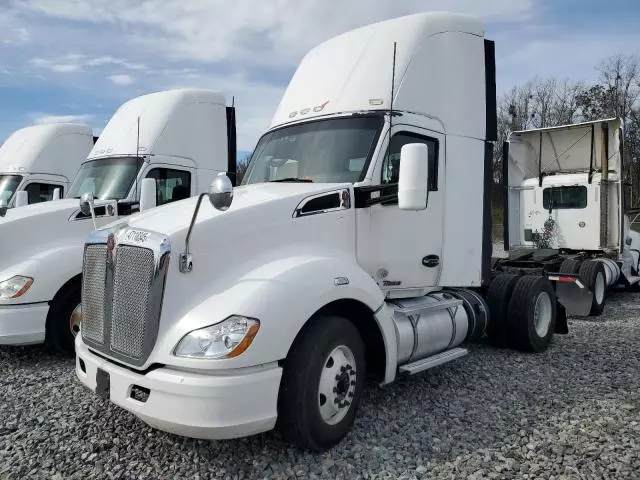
<point x="122" y="293"/>
<point x="93" y="290"/>
<point x="130" y="318"/>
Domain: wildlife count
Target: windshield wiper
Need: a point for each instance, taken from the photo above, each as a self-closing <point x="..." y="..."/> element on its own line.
<point x="294" y="179"/>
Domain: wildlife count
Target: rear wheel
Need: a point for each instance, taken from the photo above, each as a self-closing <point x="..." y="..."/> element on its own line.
<point x="570" y="266"/>
<point x="322" y="383"/>
<point x="531" y="314"/>
<point x="498" y="298"/>
<point x="593" y="275"/>
<point x="63" y="320"/>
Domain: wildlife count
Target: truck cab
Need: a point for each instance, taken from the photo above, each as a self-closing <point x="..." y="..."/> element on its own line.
<point x="38" y="160"/>
<point x="565" y="201"/>
<point x="358" y="246"/>
<point x="157" y="149"/>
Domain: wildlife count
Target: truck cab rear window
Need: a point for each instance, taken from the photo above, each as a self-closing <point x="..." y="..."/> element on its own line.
<point x="564" y="197"/>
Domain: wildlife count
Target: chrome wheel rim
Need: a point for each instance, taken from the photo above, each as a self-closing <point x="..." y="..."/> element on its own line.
<point x="337" y="385"/>
<point x="599" y="288"/>
<point x="75" y="319"/>
<point x="542" y="313"/>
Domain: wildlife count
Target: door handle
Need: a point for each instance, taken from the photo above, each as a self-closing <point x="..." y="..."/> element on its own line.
<point x="431" y="261"/>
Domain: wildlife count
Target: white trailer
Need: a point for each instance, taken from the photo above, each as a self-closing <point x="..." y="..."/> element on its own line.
<point x="341" y="255"/>
<point x="38" y="160"/>
<point x="565" y="209"/>
<point x="156" y="149"/>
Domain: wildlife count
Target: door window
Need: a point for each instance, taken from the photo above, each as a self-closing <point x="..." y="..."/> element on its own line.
<point x="171" y="185"/>
<point x="42" y="192"/>
<point x="391" y="164"/>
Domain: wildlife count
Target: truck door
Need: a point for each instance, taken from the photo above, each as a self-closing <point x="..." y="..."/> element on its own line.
<point x="406" y="246"/>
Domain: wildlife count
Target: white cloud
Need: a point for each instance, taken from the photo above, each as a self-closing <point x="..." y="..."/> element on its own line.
<point x="122" y="79"/>
<point x="42" y="118"/>
<point x="73" y="62"/>
<point x="264" y="32"/>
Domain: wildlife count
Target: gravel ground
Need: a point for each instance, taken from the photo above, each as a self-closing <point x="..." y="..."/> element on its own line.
<point x="571" y="412"/>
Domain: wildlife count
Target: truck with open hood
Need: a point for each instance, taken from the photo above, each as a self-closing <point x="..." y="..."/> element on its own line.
<point x="358" y="245"/>
<point x="565" y="209"/>
<point x="37" y="163"/>
<point x="156" y="149"/>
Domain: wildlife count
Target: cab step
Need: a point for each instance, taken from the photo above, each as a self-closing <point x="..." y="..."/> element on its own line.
<point x="433" y="361"/>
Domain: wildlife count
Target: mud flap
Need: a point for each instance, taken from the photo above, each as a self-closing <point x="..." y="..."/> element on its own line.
<point x="562" y="327"/>
<point x="572" y="295"/>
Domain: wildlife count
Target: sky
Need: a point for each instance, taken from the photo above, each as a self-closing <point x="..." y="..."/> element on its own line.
<point x="79" y="60"/>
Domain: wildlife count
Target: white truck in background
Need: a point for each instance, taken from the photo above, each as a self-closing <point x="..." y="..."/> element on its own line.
<point x="37" y="160"/>
<point x="342" y="254"/>
<point x="565" y="209"/>
<point x="156" y="149"/>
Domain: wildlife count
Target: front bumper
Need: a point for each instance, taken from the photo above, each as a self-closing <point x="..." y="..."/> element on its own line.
<point x="190" y="404"/>
<point x="23" y="324"/>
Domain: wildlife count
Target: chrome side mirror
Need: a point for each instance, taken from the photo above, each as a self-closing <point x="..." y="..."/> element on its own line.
<point x="3" y="207"/>
<point x="86" y="207"/>
<point x="221" y="192"/>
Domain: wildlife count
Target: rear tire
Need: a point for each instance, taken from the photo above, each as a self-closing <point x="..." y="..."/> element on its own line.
<point x="498" y="298"/>
<point x="570" y="266"/>
<point x="322" y="384"/>
<point x="532" y="314"/>
<point x="593" y="275"/>
<point x="62" y="318"/>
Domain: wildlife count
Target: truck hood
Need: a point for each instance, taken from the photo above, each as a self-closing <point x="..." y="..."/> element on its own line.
<point x="28" y="231"/>
<point x="255" y="241"/>
<point x="271" y="199"/>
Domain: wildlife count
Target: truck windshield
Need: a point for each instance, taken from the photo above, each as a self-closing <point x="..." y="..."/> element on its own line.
<point x="106" y="178"/>
<point x="564" y="197"/>
<point x="336" y="150"/>
<point x="8" y="186"/>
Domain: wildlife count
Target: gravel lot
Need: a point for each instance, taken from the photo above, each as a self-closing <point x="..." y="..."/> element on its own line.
<point x="572" y="412"/>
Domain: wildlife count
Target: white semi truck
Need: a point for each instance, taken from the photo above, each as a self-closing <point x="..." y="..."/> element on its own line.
<point x="342" y="255"/>
<point x="565" y="209"/>
<point x="38" y="160"/>
<point x="156" y="149"/>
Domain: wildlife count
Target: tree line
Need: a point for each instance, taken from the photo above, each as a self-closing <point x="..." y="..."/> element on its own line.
<point x="549" y="102"/>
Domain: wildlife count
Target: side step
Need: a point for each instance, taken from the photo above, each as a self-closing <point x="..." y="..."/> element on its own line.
<point x="433" y="361"/>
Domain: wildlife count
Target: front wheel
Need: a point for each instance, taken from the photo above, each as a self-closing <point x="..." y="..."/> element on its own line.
<point x="63" y="320"/>
<point x="322" y="384"/>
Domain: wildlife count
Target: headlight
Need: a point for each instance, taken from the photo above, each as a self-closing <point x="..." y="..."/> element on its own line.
<point x="227" y="339"/>
<point x="14" y="287"/>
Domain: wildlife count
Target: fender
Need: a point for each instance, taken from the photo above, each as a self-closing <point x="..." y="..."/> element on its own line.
<point x="50" y="270"/>
<point x="283" y="294"/>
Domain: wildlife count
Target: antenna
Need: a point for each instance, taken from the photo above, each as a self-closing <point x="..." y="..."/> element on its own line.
<point x="233" y="101"/>
<point x="393" y="79"/>
<point x="137" y="157"/>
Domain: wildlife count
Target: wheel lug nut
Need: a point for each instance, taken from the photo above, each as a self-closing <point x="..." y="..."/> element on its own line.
<point x="335" y="389"/>
<point x="337" y="377"/>
<point x="343" y="368"/>
<point x="337" y="400"/>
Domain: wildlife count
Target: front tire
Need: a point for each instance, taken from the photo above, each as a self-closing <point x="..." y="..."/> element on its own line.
<point x="322" y="384"/>
<point x="63" y="320"/>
